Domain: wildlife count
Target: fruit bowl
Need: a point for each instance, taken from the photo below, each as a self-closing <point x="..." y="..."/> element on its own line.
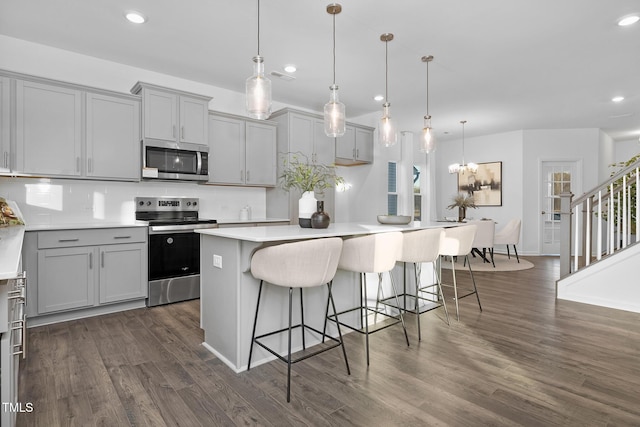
<point x="394" y="219"/>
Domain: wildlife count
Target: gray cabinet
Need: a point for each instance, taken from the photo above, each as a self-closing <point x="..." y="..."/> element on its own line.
<point x="85" y="268"/>
<point x="112" y="137"/>
<point x="300" y="133"/>
<point x="64" y="130"/>
<point x="48" y="129"/>
<point x="5" y="129"/>
<point x="241" y="151"/>
<point x="173" y="115"/>
<point x="355" y="147"/>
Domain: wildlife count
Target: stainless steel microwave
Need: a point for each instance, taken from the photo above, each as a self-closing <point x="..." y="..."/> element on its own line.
<point x="171" y="160"/>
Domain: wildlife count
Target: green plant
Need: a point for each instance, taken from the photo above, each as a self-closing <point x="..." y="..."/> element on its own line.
<point x="462" y="200"/>
<point x="299" y="173"/>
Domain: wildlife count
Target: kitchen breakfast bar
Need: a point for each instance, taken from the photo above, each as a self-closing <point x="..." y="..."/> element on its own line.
<point x="228" y="291"/>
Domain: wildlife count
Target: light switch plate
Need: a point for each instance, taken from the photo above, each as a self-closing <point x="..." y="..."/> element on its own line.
<point x="217" y="261"/>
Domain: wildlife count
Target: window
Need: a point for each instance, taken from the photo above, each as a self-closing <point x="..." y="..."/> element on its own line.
<point x="392" y="189"/>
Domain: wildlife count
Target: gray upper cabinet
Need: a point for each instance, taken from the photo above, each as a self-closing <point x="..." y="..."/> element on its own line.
<point x="356" y="146"/>
<point x="48" y="129"/>
<point x="112" y="137"/>
<point x="241" y="151"/>
<point x="173" y="115"/>
<point x="5" y="129"/>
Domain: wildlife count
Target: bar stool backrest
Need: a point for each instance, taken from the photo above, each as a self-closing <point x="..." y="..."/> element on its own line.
<point x="458" y="241"/>
<point x="299" y="264"/>
<point x="422" y="245"/>
<point x="373" y="253"/>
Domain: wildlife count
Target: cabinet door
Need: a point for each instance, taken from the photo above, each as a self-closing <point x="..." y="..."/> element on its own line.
<point x="260" y="154"/>
<point x="364" y="145"/>
<point x="123" y="272"/>
<point x="226" y="150"/>
<point x="113" y="137"/>
<point x="5" y="151"/>
<point x="193" y="120"/>
<point x="66" y="278"/>
<point x="48" y="129"/>
<point x="301" y="129"/>
<point x="324" y="147"/>
<point x="346" y="144"/>
<point x="160" y="115"/>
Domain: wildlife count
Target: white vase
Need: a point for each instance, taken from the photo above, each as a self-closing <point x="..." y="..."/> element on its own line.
<point x="307" y="205"/>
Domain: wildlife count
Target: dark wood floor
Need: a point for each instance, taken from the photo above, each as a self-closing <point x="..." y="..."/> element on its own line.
<point x="527" y="359"/>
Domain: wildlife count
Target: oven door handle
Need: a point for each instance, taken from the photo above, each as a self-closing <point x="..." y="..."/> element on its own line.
<point x="163" y="229"/>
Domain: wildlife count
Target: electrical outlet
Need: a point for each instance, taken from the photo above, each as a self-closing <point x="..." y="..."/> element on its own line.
<point x="217" y="261"/>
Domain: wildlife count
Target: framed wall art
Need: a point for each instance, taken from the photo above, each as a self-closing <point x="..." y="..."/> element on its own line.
<point x="485" y="185"/>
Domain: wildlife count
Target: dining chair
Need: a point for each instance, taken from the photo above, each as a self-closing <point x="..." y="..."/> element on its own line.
<point x="509" y="235"/>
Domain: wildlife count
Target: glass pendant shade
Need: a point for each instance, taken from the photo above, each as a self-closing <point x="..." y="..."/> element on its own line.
<point x="464" y="167"/>
<point x="387" y="131"/>
<point x="427" y="139"/>
<point x="258" y="89"/>
<point x="334" y="115"/>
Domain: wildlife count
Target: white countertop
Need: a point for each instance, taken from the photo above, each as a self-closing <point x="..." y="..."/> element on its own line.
<point x="251" y="221"/>
<point x="10" y="251"/>
<point x="295" y="232"/>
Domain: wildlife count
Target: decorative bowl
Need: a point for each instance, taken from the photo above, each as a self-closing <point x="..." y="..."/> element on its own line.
<point x="394" y="219"/>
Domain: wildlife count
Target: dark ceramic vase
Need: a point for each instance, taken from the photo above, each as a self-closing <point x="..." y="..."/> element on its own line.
<point x="320" y="219"/>
<point x="462" y="213"/>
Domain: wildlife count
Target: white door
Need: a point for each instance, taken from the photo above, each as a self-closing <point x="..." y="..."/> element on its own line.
<point x="557" y="177"/>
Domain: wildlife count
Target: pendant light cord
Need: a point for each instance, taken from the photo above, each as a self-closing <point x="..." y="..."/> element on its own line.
<point x="463" y="122"/>
<point x="258" y="27"/>
<point x="386" y="71"/>
<point x="334" y="49"/>
<point x="428" y="89"/>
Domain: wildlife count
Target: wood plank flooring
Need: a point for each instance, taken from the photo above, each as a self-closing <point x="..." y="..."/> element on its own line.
<point x="527" y="359"/>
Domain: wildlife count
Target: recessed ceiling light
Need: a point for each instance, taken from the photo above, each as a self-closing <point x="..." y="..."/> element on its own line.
<point x="617" y="98"/>
<point x="628" y="20"/>
<point x="378" y="98"/>
<point x="290" y="68"/>
<point x="135" y="17"/>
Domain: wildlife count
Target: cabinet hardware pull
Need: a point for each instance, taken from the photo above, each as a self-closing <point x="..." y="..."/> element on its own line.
<point x="357" y="152"/>
<point x="181" y="132"/>
<point x="77" y="164"/>
<point x="68" y="240"/>
<point x="121" y="237"/>
<point x="354" y="153"/>
<point x="173" y="133"/>
<point x="90" y="165"/>
<point x="90" y="261"/>
<point x="102" y="259"/>
<point x="6" y="156"/>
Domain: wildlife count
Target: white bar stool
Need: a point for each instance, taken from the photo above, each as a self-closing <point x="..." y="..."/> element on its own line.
<point x="458" y="242"/>
<point x="299" y="265"/>
<point x="422" y="247"/>
<point x="373" y="253"/>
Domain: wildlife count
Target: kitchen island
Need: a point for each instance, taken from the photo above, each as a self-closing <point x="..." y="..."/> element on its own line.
<point x="228" y="291"/>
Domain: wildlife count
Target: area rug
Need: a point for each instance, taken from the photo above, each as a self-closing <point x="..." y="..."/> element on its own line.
<point x="503" y="263"/>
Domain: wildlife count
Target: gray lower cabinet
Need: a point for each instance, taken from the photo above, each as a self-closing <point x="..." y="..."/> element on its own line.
<point x="85" y="268"/>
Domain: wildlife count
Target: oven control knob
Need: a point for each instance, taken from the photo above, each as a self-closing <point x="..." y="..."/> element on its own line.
<point x="141" y="203"/>
<point x="188" y="203"/>
<point x="149" y="203"/>
<point x="195" y="203"/>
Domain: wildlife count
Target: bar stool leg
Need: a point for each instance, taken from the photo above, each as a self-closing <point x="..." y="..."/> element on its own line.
<point x="416" y="272"/>
<point x="366" y="311"/>
<point x="439" y="283"/>
<point x="473" y="280"/>
<point x="455" y="286"/>
<point x="255" y="322"/>
<point x="335" y="313"/>
<point x="395" y="292"/>
<point x="289" y="347"/>
<point x="304" y="346"/>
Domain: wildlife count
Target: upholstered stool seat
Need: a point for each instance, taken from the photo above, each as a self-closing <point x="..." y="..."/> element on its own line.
<point x="422" y="247"/>
<point x="303" y="264"/>
<point x="458" y="242"/>
<point x="374" y="253"/>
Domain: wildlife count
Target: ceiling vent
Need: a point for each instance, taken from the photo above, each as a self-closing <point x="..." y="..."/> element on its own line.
<point x="282" y="76"/>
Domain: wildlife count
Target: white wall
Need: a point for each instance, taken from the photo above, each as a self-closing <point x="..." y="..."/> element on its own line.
<point x="624" y="150"/>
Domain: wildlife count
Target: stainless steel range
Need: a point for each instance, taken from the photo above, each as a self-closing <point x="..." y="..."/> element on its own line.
<point x="174" y="249"/>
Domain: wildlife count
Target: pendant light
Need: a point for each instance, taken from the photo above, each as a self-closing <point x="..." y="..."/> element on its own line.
<point x="258" y="87"/>
<point x="334" y="110"/>
<point x="427" y="139"/>
<point x="387" y="133"/>
<point x="464" y="167"/>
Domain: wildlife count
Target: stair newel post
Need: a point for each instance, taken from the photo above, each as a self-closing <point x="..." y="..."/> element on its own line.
<point x="565" y="234"/>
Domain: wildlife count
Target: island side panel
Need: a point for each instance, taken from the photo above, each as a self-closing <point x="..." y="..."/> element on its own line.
<point x="219" y="296"/>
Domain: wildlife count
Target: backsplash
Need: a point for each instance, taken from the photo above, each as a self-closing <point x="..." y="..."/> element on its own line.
<point x="46" y="201"/>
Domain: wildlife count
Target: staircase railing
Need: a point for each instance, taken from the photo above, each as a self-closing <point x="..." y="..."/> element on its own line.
<point x="600" y="222"/>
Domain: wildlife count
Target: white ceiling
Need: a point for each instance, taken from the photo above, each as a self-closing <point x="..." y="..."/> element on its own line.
<point x="502" y="65"/>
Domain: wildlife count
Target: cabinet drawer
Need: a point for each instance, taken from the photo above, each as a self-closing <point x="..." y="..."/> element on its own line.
<point x="90" y="237"/>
